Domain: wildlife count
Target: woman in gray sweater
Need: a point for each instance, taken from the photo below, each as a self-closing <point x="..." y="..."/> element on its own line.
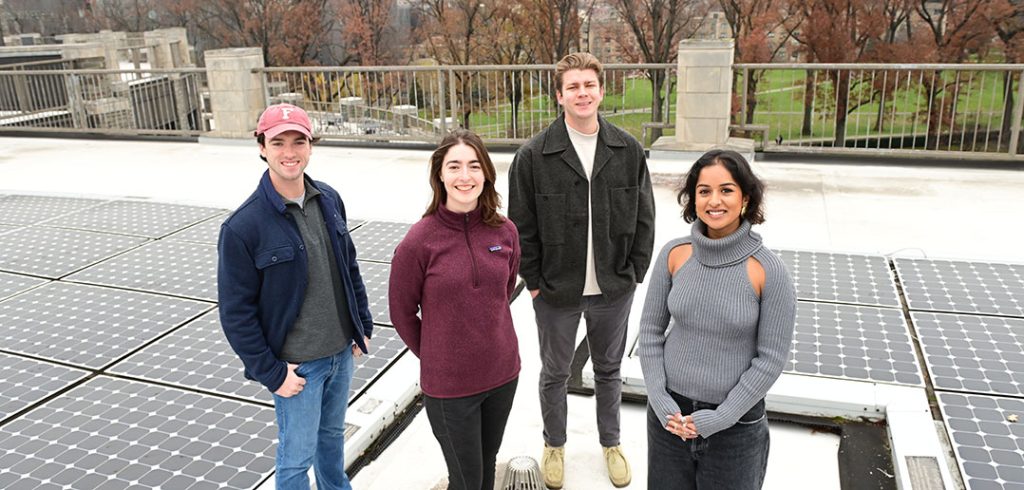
<point x="714" y="335"/>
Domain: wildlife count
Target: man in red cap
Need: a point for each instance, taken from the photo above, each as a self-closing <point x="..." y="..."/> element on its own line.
<point x="292" y="302"/>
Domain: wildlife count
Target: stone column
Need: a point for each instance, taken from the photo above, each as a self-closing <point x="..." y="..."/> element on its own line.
<point x="704" y="101"/>
<point x="237" y="95"/>
<point x="159" y="48"/>
<point x="177" y="38"/>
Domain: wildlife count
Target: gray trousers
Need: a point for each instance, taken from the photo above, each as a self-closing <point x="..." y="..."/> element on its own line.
<point x="606" y="336"/>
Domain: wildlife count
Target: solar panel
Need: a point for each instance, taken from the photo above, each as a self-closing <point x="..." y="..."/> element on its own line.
<point x="987" y="434"/>
<point x="972" y="353"/>
<point x="24" y="382"/>
<point x="88" y="326"/>
<point x="842" y="278"/>
<point x="206" y="232"/>
<point x="114" y="433"/>
<point x="963" y="287"/>
<point x="11" y="284"/>
<point x="55" y="252"/>
<point x="164" y="266"/>
<point x="29" y="210"/>
<point x="385" y="347"/>
<point x="196" y="356"/>
<point x="375" y="277"/>
<point x="853" y="342"/>
<point x="377" y="240"/>
<point x="140" y="218"/>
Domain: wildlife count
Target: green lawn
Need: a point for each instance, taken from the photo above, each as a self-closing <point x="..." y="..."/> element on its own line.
<point x="971" y="101"/>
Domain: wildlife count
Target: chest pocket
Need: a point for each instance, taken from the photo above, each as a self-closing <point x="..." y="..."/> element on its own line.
<point x="274" y="256"/>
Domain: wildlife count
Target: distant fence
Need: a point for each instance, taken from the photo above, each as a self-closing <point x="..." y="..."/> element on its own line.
<point x="503" y="104"/>
<point x="968" y="109"/>
<point x="964" y="108"/>
<point x="46" y="97"/>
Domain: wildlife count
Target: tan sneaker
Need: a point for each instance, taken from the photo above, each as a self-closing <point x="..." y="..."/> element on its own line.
<point x="552" y="465"/>
<point x="618" y="467"/>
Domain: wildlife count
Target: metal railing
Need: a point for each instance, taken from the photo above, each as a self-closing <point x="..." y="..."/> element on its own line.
<point x="967" y="109"/>
<point x="120" y="102"/>
<point x="503" y="104"/>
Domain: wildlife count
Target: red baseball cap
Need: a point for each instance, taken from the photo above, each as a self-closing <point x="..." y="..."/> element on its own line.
<point x="283" y="117"/>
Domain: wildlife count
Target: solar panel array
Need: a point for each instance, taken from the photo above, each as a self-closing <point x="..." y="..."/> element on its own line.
<point x="969" y="318"/>
<point x="114" y="370"/>
<point x="848" y="324"/>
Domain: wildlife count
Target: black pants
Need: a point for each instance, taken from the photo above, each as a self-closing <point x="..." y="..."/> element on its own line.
<point x="470" y="430"/>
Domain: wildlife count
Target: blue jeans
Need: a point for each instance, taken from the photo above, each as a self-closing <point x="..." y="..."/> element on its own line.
<point x="311" y="426"/>
<point x="735" y="458"/>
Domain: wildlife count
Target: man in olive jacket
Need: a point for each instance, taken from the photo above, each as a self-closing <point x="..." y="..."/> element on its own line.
<point x="581" y="196"/>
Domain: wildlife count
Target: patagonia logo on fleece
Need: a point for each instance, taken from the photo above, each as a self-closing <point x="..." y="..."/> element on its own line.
<point x="494" y="248"/>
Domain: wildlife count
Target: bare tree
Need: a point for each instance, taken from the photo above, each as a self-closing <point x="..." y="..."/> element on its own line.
<point x="658" y="26"/>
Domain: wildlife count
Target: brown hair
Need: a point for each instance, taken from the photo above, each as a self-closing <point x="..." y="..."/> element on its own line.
<point x="490" y="200"/>
<point x="577" y="61"/>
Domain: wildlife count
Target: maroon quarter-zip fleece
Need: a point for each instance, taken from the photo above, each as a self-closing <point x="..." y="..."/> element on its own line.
<point x="451" y="280"/>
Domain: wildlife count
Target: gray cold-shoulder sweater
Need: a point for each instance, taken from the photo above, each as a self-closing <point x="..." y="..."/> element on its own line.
<point x="706" y="335"/>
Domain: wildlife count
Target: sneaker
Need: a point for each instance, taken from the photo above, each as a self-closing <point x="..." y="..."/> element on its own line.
<point x="618" y="467"/>
<point x="552" y="466"/>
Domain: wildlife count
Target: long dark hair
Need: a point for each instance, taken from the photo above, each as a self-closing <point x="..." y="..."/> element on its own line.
<point x="490" y="200"/>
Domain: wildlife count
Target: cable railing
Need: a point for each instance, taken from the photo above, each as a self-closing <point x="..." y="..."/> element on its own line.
<point x="890" y="108"/>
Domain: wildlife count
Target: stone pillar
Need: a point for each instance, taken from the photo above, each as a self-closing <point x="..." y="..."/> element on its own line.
<point x="704" y="101"/>
<point x="177" y="39"/>
<point x="237" y="95"/>
<point x="159" y="48"/>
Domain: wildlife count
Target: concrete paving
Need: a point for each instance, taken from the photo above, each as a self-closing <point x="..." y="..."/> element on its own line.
<point x="906" y="210"/>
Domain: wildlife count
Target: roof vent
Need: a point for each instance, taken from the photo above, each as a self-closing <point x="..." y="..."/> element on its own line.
<point x="523" y="473"/>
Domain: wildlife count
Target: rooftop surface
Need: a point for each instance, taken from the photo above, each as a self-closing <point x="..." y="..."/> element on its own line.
<point x="869" y="207"/>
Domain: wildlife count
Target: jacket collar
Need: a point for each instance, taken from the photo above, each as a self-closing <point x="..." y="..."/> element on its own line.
<point x="271" y="195"/>
<point x="458" y="221"/>
<point x="557" y="141"/>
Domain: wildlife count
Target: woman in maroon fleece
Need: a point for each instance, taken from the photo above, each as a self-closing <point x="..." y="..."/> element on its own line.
<point x="457" y="268"/>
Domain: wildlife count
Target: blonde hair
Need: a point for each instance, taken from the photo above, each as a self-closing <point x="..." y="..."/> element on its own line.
<point x="577" y="61"/>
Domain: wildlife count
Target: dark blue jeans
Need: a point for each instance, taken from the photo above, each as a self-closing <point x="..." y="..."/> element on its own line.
<point x="311" y="426"/>
<point x="470" y="430"/>
<point x="734" y="459"/>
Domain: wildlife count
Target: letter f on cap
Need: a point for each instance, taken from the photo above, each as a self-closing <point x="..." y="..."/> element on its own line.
<point x="285" y="112"/>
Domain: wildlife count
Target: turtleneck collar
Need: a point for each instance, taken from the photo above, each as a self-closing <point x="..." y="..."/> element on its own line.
<point x="458" y="220"/>
<point x="725" y="251"/>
